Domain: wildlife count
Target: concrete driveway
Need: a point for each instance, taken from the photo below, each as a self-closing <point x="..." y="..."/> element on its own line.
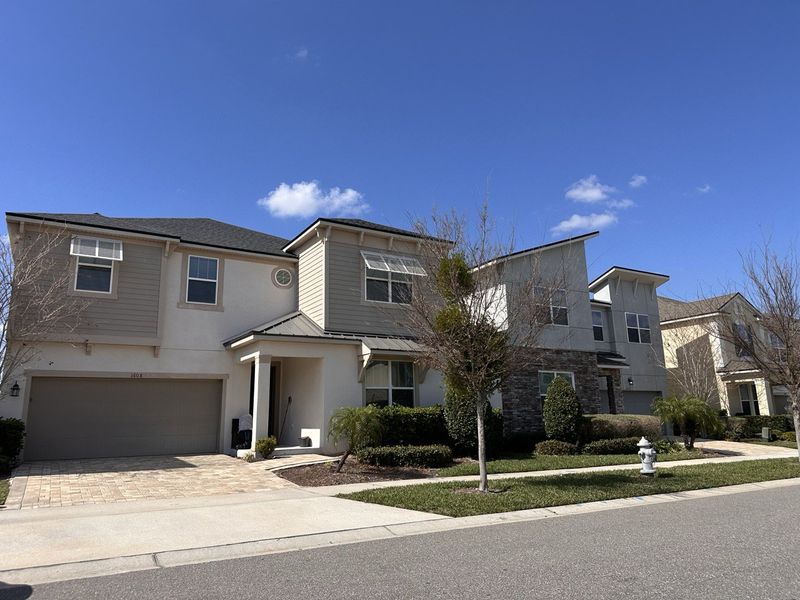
<point x="106" y="480"/>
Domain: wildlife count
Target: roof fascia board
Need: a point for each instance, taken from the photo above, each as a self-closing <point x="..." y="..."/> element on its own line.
<point x="535" y="249"/>
<point x="692" y="318"/>
<point x="13" y="218"/>
<point x="301" y="238"/>
<point x="634" y="273"/>
<point x="240" y="252"/>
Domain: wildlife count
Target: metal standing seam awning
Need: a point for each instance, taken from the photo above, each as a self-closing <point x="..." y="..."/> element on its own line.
<point x="611" y="360"/>
<point x="382" y="346"/>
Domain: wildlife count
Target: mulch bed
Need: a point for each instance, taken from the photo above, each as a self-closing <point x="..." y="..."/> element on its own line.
<point x="353" y="472"/>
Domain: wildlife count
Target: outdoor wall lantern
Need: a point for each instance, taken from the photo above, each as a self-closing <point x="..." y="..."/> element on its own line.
<point x="15" y="390"/>
<point x="630" y="381"/>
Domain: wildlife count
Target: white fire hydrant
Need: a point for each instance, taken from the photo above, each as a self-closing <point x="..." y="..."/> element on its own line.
<point x="647" y="454"/>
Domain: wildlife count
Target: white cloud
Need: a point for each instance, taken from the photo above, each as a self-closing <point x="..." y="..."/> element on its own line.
<point x="621" y="204"/>
<point x="306" y="199"/>
<point x="704" y="189"/>
<point x="584" y="222"/>
<point x="589" y="190"/>
<point x="637" y="181"/>
<point x="300" y="55"/>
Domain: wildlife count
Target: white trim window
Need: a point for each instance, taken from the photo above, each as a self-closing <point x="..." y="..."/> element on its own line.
<point x="94" y="263"/>
<point x="201" y="280"/>
<point x="777" y="346"/>
<point x="557" y="300"/>
<point x="388" y="278"/>
<point x="389" y="382"/>
<point x="547" y="377"/>
<point x="638" y="328"/>
<point x="745" y="334"/>
<point x="597" y="325"/>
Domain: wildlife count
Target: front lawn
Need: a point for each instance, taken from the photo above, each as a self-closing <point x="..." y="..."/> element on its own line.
<point x="780" y="443"/>
<point x="4" y="487"/>
<point x="458" y="499"/>
<point x="521" y="463"/>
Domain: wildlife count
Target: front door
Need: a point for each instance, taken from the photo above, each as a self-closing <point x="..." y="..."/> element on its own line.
<point x="749" y="398"/>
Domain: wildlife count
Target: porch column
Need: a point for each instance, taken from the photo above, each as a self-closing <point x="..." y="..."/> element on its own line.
<point x="261" y="398"/>
<point x="764" y="397"/>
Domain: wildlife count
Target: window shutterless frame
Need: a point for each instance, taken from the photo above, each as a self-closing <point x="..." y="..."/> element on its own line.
<point x="198" y="277"/>
<point x="597" y="325"/>
<point x="398" y="286"/>
<point x="399" y="381"/>
<point x="100" y="266"/>
<point x="638" y="327"/>
<point x="549" y="376"/>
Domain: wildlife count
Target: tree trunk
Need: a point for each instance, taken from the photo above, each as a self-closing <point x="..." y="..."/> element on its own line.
<point x="483" y="486"/>
<point x="796" y="418"/>
<point x="342" y="460"/>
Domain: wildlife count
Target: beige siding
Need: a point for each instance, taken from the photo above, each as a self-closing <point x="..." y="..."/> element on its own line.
<point x="311" y="282"/>
<point x="134" y="312"/>
<point x="132" y="308"/>
<point x="347" y="308"/>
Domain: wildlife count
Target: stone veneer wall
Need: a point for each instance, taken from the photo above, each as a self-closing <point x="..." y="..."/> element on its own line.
<point x="522" y="405"/>
<point x="619" y="394"/>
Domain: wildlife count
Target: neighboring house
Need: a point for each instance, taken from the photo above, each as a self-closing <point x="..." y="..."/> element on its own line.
<point x="692" y="343"/>
<point x="613" y="368"/>
<point x="193" y="323"/>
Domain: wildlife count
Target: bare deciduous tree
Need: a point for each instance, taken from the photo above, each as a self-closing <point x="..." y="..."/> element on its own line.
<point x="34" y="302"/>
<point x="472" y="313"/>
<point x="689" y="362"/>
<point x="770" y="339"/>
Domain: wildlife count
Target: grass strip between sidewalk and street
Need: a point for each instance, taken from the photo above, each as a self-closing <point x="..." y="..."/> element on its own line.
<point x="5" y="485"/>
<point x="460" y="499"/>
<point x="525" y="462"/>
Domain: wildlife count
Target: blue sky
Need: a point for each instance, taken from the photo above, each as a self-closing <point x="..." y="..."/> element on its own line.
<point x="262" y="113"/>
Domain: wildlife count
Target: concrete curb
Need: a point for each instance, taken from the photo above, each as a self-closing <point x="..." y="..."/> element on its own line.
<point x="174" y="558"/>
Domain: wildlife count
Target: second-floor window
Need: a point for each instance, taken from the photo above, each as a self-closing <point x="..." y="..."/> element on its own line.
<point x="94" y="263"/>
<point x="638" y="328"/>
<point x="743" y="340"/>
<point x="597" y="325"/>
<point x="201" y="283"/>
<point x="556" y="300"/>
<point x="777" y="346"/>
<point x="389" y="278"/>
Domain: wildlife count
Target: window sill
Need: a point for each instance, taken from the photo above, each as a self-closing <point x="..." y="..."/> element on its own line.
<point x="382" y="303"/>
<point x="199" y="306"/>
<point x="112" y="295"/>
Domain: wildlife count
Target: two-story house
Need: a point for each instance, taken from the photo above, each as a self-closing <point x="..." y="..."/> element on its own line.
<point x="193" y="323"/>
<point x="613" y="363"/>
<point x="694" y="342"/>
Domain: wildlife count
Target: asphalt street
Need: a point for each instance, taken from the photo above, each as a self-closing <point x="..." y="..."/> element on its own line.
<point x="737" y="546"/>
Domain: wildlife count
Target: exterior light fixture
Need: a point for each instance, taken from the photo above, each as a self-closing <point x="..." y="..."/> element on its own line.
<point x="15" y="390"/>
<point x="630" y="381"/>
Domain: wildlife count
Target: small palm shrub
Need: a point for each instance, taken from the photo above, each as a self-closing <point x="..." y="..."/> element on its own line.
<point x="358" y="427"/>
<point x="692" y="416"/>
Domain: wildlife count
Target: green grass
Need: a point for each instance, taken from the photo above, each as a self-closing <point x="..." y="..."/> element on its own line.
<point x="554" y="490"/>
<point x="525" y="462"/>
<point x="4" y="487"/>
<point x="781" y="443"/>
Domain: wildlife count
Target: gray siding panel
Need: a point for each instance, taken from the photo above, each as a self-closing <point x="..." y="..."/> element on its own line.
<point x="347" y="308"/>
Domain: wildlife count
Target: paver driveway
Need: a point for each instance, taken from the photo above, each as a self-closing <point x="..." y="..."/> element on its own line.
<point x="102" y="480"/>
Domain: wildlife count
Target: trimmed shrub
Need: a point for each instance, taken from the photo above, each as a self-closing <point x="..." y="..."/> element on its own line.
<point x="461" y="423"/>
<point x="788" y="436"/>
<point x="435" y="455"/>
<point x="777" y="423"/>
<point x="12" y="436"/>
<point x="406" y="426"/>
<point x="555" y="448"/>
<point x="562" y="411"/>
<point x="613" y="446"/>
<point x="607" y="427"/>
<point x="266" y="446"/>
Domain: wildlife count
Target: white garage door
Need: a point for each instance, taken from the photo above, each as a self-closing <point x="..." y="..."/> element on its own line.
<point x="91" y="418"/>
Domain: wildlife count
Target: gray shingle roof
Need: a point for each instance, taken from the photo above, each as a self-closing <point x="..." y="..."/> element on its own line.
<point x="374" y="226"/>
<point x="670" y="309"/>
<point x="202" y="231"/>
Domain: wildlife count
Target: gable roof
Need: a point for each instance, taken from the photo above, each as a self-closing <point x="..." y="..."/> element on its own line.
<point x="200" y="231"/>
<point x="671" y="309"/>
<point x="358" y="224"/>
<point x="656" y="278"/>
<point x="532" y="249"/>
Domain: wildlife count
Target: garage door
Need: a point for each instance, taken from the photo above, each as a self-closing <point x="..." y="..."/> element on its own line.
<point x="91" y="418"/>
<point x="638" y="403"/>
